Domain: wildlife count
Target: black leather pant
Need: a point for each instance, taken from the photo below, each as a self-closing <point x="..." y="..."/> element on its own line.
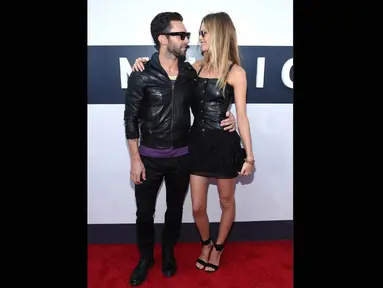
<point x="176" y="173"/>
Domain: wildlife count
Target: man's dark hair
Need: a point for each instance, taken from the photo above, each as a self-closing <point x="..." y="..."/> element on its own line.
<point x="161" y="24"/>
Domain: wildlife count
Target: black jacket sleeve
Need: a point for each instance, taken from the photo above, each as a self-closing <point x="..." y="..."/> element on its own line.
<point x="133" y="100"/>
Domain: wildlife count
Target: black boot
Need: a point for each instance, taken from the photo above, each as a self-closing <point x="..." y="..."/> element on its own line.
<point x="140" y="272"/>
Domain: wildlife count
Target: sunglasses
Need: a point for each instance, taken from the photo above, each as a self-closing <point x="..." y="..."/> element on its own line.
<point x="182" y="35"/>
<point x="202" y="33"/>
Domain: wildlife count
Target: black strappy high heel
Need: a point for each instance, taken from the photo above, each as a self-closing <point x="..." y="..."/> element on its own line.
<point x="218" y="248"/>
<point x="199" y="260"/>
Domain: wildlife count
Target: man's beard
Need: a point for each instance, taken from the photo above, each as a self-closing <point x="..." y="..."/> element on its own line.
<point x="177" y="52"/>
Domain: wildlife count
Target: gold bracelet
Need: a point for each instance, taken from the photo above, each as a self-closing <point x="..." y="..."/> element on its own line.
<point x="250" y="161"/>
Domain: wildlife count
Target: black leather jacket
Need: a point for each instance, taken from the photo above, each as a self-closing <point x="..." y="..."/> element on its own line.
<point x="156" y="110"/>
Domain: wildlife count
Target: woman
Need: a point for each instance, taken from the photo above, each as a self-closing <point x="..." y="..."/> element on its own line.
<point x="215" y="153"/>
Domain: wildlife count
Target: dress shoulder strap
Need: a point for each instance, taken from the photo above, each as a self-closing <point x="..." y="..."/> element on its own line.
<point x="199" y="71"/>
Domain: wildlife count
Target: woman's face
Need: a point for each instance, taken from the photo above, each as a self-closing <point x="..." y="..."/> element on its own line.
<point x="204" y="38"/>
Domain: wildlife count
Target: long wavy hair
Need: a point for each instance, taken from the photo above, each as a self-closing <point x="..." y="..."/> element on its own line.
<point x="223" y="47"/>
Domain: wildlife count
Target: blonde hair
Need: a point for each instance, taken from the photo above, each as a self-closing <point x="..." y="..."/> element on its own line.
<point x="223" y="45"/>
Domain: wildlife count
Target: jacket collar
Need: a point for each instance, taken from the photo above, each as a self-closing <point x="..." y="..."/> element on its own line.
<point x="155" y="62"/>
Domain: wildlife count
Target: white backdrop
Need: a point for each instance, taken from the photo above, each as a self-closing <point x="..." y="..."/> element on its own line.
<point x="269" y="196"/>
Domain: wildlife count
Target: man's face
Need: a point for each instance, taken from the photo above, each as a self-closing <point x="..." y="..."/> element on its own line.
<point x="177" y="44"/>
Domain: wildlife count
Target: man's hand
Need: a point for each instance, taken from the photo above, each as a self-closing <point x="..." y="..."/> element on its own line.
<point x="229" y="123"/>
<point x="137" y="168"/>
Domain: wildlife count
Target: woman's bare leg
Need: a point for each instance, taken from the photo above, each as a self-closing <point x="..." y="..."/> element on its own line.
<point x="198" y="188"/>
<point x="226" y="188"/>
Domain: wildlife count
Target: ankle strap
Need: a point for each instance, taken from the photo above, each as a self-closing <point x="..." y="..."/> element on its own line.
<point x="218" y="247"/>
<point x="206" y="242"/>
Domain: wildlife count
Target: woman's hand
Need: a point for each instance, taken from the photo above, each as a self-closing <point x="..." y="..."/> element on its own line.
<point x="139" y="64"/>
<point x="247" y="168"/>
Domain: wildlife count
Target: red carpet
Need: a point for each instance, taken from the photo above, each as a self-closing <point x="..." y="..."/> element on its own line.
<point x="243" y="265"/>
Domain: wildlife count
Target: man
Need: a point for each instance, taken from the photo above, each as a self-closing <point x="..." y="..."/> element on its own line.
<point x="157" y="112"/>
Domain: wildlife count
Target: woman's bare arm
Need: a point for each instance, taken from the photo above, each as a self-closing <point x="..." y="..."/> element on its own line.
<point x="237" y="78"/>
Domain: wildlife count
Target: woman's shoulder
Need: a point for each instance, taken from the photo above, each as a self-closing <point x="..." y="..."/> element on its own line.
<point x="236" y="75"/>
<point x="237" y="70"/>
<point x="197" y="65"/>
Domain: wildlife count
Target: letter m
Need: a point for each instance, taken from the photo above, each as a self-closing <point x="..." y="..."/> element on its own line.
<point x="125" y="71"/>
